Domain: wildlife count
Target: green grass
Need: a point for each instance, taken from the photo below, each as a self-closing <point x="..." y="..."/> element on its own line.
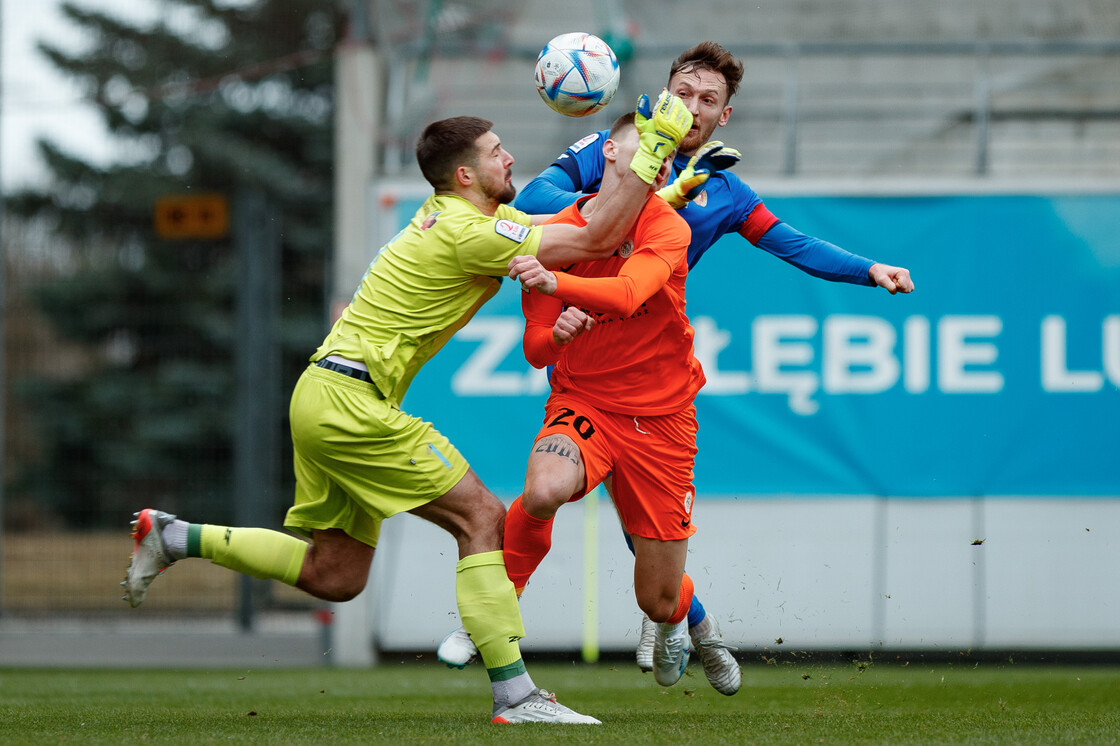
<point x="786" y="703"/>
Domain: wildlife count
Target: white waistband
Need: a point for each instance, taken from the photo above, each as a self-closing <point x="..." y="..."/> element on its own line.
<point x="348" y="363"/>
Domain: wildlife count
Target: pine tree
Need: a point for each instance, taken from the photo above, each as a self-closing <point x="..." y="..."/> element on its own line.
<point x="210" y="99"/>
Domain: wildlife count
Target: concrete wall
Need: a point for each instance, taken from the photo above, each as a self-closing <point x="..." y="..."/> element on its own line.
<point x="850" y="574"/>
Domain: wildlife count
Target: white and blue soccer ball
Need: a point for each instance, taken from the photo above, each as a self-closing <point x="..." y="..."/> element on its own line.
<point x="577" y="74"/>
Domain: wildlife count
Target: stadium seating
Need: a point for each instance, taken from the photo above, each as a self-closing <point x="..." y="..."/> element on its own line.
<point x="849" y="89"/>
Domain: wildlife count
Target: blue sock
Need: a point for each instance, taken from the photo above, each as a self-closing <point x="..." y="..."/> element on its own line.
<point x="696" y="611"/>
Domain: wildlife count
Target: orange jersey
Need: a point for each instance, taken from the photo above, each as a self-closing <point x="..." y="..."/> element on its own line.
<point x="638" y="358"/>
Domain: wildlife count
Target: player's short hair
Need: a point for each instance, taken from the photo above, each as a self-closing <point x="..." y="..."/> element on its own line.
<point x="447" y="144"/>
<point x="620" y="123"/>
<point x="708" y="55"/>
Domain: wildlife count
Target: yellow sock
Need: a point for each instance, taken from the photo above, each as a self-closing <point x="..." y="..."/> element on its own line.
<point x="258" y="552"/>
<point x="488" y="608"/>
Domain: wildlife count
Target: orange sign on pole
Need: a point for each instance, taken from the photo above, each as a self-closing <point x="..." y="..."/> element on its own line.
<point x="192" y="216"/>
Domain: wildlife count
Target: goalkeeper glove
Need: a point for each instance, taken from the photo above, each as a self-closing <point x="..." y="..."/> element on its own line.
<point x="660" y="131"/>
<point x="711" y="157"/>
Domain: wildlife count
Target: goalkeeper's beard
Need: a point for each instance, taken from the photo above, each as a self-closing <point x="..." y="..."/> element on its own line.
<point x="691" y="143"/>
<point x="502" y="195"/>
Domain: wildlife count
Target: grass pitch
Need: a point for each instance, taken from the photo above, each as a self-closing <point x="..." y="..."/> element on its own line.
<point x="786" y="703"/>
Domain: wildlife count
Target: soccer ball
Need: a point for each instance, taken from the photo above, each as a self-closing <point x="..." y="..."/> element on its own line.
<point x="577" y="74"/>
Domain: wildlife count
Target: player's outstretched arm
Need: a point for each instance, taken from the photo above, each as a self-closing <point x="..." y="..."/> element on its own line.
<point x="892" y="279"/>
<point x="661" y="128"/>
<point x="550" y="192"/>
<point x="643" y="275"/>
<point x="814" y="256"/>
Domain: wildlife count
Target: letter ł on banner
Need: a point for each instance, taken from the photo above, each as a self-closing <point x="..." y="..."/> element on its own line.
<point x="709" y="342"/>
<point x="777" y="344"/>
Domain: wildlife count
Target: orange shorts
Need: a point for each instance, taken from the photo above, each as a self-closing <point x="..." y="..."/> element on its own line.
<point x="650" y="457"/>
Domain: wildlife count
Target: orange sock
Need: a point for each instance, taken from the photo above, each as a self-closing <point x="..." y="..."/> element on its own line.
<point x="685" y="602"/>
<point x="527" y="541"/>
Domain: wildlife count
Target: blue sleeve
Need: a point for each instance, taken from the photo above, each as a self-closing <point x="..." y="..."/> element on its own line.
<point x="814" y="256"/>
<point x="549" y="193"/>
<point x="578" y="171"/>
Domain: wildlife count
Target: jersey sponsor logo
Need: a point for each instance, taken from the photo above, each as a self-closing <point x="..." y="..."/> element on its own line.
<point x="701" y="199"/>
<point x="583" y="143"/>
<point x="511" y="230"/>
<point x="429" y="221"/>
<point x="626" y="249"/>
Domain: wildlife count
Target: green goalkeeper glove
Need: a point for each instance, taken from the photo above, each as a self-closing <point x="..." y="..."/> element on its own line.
<point x="711" y="157"/>
<point x="660" y="131"/>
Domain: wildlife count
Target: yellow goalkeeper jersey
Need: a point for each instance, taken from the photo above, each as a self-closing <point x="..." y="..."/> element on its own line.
<point x="425" y="285"/>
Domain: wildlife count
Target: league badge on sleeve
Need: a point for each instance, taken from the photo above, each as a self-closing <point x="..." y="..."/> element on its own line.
<point x="511" y="230"/>
<point x="583" y="142"/>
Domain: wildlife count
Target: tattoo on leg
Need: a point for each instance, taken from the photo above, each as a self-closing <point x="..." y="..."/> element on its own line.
<point x="559" y="446"/>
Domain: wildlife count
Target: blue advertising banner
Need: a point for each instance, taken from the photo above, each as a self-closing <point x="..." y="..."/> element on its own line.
<point x="1000" y="375"/>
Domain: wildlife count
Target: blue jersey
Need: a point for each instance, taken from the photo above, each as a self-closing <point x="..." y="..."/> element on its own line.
<point x="725" y="205"/>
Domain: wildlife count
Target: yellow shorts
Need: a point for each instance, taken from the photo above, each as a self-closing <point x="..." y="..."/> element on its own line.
<point x="359" y="459"/>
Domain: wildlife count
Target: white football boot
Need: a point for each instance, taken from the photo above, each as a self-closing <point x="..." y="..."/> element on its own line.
<point x="670" y="652"/>
<point x="644" y="654"/>
<point x="720" y="665"/>
<point x="541" y="707"/>
<point x="149" y="555"/>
